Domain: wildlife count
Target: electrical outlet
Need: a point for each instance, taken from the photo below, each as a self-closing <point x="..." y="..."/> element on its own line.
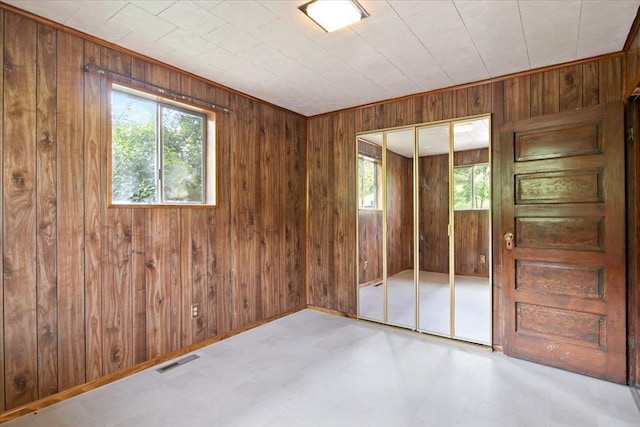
<point x="483" y="259"/>
<point x="366" y="265"/>
<point x="195" y="310"/>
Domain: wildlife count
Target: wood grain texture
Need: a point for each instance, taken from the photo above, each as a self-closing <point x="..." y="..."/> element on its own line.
<point x="434" y="213"/>
<point x="107" y="288"/>
<point x="590" y="84"/>
<point x="2" y="186"/>
<point x="471" y="233"/>
<point x="369" y="246"/>
<point x="138" y="253"/>
<point x="93" y="208"/>
<point x="19" y="213"/>
<point x="46" y="213"/>
<point x="295" y="210"/>
<point x="117" y="316"/>
<point x="610" y="80"/>
<point x="223" y="262"/>
<point x="399" y="213"/>
<point x="345" y="219"/>
<point x="570" y="80"/>
<point x="517" y="102"/>
<point x="71" y="295"/>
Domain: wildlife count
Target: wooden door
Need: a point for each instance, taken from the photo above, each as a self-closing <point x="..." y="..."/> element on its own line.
<point x="563" y="201"/>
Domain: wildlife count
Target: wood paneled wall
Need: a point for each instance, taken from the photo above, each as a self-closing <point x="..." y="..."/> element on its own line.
<point x="471" y="228"/>
<point x="399" y="213"/>
<point x="331" y="279"/>
<point x="369" y="246"/>
<point x="433" y="194"/>
<point x="89" y="290"/>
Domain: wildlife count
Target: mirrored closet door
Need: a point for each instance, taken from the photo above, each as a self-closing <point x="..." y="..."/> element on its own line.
<point x="424" y="227"/>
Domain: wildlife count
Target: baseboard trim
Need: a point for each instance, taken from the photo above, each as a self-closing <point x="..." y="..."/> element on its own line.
<point x="91" y="385"/>
<point x="331" y="311"/>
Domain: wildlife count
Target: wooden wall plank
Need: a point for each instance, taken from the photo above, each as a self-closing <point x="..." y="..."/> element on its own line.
<point x="399" y="213"/>
<point x="93" y="173"/>
<point x="610" y="80"/>
<point x="590" y="84"/>
<point x="46" y="213"/>
<point x="479" y="100"/>
<point x="223" y="262"/>
<point x="267" y="203"/>
<point x="245" y="218"/>
<point x="448" y="102"/>
<point x="295" y="209"/>
<point x="319" y="225"/>
<point x="71" y="296"/>
<point x="199" y="255"/>
<point x="550" y="93"/>
<point x="434" y="213"/>
<point x="460" y="103"/>
<point x="175" y="283"/>
<point x="214" y="229"/>
<point x="117" y="314"/>
<point x="138" y="262"/>
<point x="537" y="94"/>
<point x="2" y="240"/>
<point x="139" y="283"/>
<point x="187" y="324"/>
<point x="19" y="212"/>
<point x="158" y="291"/>
<point x="570" y="79"/>
<point x="517" y="98"/>
<point x="344" y="213"/>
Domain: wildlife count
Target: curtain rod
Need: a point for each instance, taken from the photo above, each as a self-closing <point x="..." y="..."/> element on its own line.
<point x="94" y="68"/>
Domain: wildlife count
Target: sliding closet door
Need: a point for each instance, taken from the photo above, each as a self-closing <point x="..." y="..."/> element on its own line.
<point x="371" y="286"/>
<point x="401" y="290"/>
<point x="471" y="231"/>
<point x="433" y="237"/>
<point x="424" y="226"/>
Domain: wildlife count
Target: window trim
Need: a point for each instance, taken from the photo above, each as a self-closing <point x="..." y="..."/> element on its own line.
<point x="210" y="148"/>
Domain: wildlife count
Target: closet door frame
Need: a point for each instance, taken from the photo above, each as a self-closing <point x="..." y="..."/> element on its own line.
<point x="416" y="224"/>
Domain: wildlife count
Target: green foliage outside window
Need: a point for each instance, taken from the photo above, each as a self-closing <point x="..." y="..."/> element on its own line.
<point x="471" y="186"/>
<point x="368" y="183"/>
<point x="141" y="129"/>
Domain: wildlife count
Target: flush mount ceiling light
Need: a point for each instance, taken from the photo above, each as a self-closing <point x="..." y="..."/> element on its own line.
<point x="332" y="15"/>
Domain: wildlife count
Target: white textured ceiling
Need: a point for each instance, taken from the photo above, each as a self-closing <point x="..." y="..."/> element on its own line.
<point x="272" y="51"/>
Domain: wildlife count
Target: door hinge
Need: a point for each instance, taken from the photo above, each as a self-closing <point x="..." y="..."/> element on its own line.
<point x="630" y="136"/>
<point x="632" y="343"/>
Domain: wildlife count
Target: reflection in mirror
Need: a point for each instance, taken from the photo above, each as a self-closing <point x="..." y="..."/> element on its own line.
<point x="433" y="214"/>
<point x="399" y="184"/>
<point x="472" y="219"/>
<point x="370" y="279"/>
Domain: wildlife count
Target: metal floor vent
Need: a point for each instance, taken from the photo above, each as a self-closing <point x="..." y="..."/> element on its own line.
<point x="177" y="363"/>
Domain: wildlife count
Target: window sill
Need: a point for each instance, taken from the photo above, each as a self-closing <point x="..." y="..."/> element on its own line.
<point x="160" y="206"/>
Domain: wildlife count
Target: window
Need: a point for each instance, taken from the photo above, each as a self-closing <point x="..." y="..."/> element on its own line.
<point x="471" y="187"/>
<point x="162" y="152"/>
<point x="368" y="176"/>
